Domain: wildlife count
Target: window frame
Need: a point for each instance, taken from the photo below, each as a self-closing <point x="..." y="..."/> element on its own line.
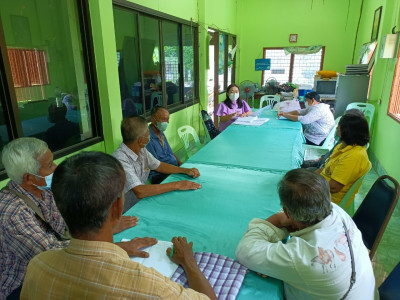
<point x="392" y="100"/>
<point x="9" y="98"/>
<point x="160" y="16"/>
<point x="291" y="61"/>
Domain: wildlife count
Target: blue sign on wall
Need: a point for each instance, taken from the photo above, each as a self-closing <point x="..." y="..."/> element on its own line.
<point x="263" y="64"/>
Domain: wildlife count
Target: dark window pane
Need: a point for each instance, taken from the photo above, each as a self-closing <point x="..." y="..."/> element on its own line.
<point x="127" y="45"/>
<point x="150" y="43"/>
<point x="172" y="61"/>
<point x="46" y="60"/>
<point x="188" y="62"/>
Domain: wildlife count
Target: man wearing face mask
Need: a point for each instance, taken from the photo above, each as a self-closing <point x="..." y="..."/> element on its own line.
<point x="231" y="108"/>
<point x="137" y="162"/>
<point x="158" y="145"/>
<point x="30" y="221"/>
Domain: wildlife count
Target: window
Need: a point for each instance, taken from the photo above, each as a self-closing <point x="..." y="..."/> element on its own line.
<point x="296" y="68"/>
<point x="44" y="84"/>
<point x="28" y="67"/>
<point x="221" y="62"/>
<point x="394" y="102"/>
<point x="158" y="62"/>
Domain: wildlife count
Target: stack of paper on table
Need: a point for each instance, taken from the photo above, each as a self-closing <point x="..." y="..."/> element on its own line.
<point x="158" y="258"/>
<point x="251" y="121"/>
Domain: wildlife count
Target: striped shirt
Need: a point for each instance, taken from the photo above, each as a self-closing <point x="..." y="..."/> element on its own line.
<point x="23" y="234"/>
<point x="97" y="270"/>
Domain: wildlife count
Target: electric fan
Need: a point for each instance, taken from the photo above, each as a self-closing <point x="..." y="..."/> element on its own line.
<point x="247" y="89"/>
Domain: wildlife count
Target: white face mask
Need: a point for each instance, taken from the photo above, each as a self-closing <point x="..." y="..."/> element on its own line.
<point x="234" y="96"/>
<point x="306" y="104"/>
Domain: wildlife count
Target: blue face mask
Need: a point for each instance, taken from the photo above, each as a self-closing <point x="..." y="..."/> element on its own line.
<point x="48" y="179"/>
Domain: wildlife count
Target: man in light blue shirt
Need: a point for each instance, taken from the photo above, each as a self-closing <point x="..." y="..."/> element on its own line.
<point x="158" y="145"/>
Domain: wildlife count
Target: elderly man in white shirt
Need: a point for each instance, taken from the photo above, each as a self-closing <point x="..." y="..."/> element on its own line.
<point x="316" y="261"/>
<point x="317" y="119"/>
<point x="137" y="163"/>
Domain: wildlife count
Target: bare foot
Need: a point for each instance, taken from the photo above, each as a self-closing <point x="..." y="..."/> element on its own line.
<point x="125" y="223"/>
<point x="262" y="275"/>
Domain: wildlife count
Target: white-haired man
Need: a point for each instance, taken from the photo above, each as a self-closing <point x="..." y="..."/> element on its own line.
<point x="30" y="221"/>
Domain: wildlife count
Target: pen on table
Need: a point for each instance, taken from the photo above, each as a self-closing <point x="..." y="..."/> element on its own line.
<point x="172" y="252"/>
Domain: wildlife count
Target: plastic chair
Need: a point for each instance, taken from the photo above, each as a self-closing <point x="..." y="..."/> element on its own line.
<point x="347" y="202"/>
<point x="158" y="97"/>
<point x="375" y="211"/>
<point x="390" y="288"/>
<point x="366" y="108"/>
<point x="328" y="144"/>
<point x="270" y="99"/>
<point x="184" y="132"/>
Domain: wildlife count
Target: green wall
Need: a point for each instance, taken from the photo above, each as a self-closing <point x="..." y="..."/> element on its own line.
<point x="386" y="131"/>
<point x="268" y="24"/>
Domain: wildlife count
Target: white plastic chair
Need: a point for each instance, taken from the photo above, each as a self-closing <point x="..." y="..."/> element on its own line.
<point x="366" y="108"/>
<point x="328" y="144"/>
<point x="184" y="132"/>
<point x="158" y="97"/>
<point x="270" y="99"/>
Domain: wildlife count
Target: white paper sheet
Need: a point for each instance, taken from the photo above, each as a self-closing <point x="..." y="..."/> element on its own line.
<point x="158" y="258"/>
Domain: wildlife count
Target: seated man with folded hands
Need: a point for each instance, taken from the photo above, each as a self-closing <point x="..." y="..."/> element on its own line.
<point x="88" y="190"/>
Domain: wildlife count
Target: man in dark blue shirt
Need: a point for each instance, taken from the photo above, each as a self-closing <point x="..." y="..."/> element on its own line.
<point x="158" y="145"/>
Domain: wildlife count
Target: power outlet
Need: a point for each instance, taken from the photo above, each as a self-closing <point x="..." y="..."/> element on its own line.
<point x="379" y="101"/>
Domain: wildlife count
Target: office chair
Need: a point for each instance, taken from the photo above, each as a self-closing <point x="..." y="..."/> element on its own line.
<point x="375" y="211"/>
<point x="390" y="288"/>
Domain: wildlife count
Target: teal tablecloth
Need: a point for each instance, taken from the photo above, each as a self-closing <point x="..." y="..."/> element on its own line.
<point x="214" y="217"/>
<point x="275" y="145"/>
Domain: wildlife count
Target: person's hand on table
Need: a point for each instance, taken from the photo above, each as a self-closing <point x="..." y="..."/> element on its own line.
<point x="281" y="114"/>
<point x="182" y="253"/>
<point x="133" y="246"/>
<point x="124" y="223"/>
<point x="185" y="185"/>
<point x="193" y="172"/>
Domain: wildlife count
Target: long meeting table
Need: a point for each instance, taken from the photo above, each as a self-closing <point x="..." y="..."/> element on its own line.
<point x="237" y="186"/>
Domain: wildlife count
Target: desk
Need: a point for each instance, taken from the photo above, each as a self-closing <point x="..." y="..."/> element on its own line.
<point x="275" y="145"/>
<point x="240" y="170"/>
<point x="214" y="217"/>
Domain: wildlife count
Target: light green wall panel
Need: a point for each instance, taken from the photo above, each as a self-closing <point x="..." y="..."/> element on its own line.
<point x="268" y="24"/>
<point x="386" y="132"/>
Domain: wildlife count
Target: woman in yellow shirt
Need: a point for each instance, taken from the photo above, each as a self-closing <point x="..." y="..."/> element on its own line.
<point x="349" y="160"/>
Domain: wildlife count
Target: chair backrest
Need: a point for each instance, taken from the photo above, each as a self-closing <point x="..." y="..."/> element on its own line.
<point x="184" y="132"/>
<point x="347" y="202"/>
<point x="390" y="288"/>
<point x="156" y="96"/>
<point x="207" y="137"/>
<point x="366" y="108"/>
<point x="375" y="211"/>
<point x="270" y="99"/>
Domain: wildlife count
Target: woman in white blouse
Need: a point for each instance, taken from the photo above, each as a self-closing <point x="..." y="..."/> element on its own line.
<point x="317" y="119"/>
